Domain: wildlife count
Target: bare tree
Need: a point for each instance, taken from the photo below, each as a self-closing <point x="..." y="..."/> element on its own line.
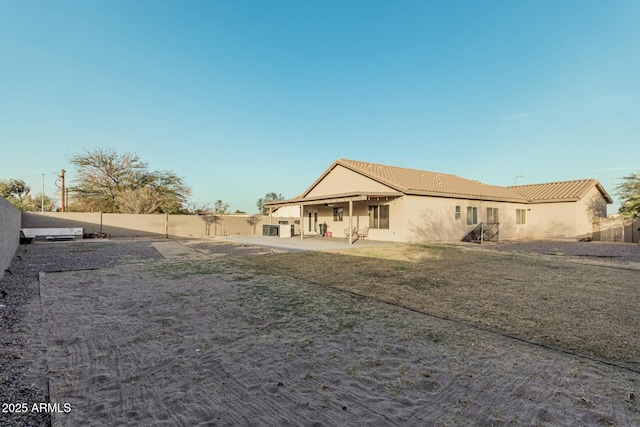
<point x="138" y="201"/>
<point x="104" y="175"/>
<point x="253" y="220"/>
<point x="220" y="209"/>
<point x="269" y="197"/>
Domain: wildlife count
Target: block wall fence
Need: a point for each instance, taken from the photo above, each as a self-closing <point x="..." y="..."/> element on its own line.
<point x="9" y="233"/>
<point x="152" y="225"/>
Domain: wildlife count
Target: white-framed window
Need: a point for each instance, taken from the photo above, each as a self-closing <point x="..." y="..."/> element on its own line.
<point x="521" y="216"/>
<point x="492" y="215"/>
<point x="458" y="212"/>
<point x="472" y="215"/>
<point x="379" y="216"/>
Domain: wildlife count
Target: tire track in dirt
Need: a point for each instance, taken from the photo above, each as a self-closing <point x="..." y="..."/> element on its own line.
<point x="140" y="345"/>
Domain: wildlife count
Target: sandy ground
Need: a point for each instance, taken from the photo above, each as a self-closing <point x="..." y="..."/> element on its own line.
<point x="559" y="301"/>
<point x="198" y="339"/>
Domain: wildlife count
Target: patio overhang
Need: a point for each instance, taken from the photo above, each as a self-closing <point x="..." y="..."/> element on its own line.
<point x="335" y="198"/>
<point x="328" y="199"/>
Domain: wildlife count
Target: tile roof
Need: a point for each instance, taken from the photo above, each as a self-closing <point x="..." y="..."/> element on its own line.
<point x="413" y="181"/>
<point x="419" y="182"/>
<point x="554" y="191"/>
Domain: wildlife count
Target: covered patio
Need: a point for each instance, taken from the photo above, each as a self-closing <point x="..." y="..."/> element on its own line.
<point x="309" y="207"/>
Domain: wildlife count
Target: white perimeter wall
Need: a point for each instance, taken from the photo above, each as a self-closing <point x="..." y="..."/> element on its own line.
<point x="9" y="233"/>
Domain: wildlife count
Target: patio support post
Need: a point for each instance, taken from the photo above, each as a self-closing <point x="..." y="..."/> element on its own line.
<point x="350" y="222"/>
<point x="301" y="221"/>
<point x="270" y="212"/>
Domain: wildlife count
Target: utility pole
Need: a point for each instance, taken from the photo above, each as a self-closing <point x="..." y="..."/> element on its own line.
<point x="62" y="178"/>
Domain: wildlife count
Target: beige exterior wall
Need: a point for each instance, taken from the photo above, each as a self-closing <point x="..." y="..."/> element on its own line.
<point x="566" y="220"/>
<point x="420" y="219"/>
<point x="9" y="233"/>
<point x="360" y="219"/>
<point x="433" y="219"/>
<point x="588" y="209"/>
<point x="288" y="212"/>
<point x="551" y="221"/>
<point x="397" y="214"/>
<point x="342" y="180"/>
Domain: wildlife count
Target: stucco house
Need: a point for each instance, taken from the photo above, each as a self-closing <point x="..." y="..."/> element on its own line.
<point x="392" y="203"/>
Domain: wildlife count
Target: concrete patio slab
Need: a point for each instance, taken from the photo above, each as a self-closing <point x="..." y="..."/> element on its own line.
<point x="295" y="244"/>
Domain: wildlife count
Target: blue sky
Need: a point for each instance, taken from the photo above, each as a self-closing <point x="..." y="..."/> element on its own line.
<point x="241" y="98"/>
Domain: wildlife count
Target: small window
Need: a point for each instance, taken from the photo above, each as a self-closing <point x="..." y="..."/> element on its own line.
<point x="521" y="216"/>
<point x="338" y="214"/>
<point x="379" y="217"/>
<point x="472" y="215"/>
<point x="458" y="212"/>
<point x="492" y="215"/>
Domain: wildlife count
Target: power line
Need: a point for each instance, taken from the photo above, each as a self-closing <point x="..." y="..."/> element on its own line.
<point x="39" y="175"/>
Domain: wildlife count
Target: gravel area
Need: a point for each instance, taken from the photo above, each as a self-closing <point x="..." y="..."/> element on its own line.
<point x="21" y="379"/>
<point x="619" y="253"/>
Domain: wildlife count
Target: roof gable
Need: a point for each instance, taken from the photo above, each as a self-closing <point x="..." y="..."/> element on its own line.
<point x="340" y="179"/>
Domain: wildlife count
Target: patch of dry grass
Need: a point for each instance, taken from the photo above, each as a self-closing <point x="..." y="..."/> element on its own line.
<point x="588" y="309"/>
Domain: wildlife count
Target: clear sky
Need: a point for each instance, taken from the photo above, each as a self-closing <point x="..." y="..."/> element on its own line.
<point x="241" y="98"/>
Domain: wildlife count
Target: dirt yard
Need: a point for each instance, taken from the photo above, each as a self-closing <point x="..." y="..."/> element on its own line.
<point x="574" y="303"/>
<point x="219" y="334"/>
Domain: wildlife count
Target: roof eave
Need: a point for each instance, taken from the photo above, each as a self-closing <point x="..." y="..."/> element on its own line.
<point x="604" y="193"/>
<point x="334" y="198"/>
<point x="466" y="196"/>
<point x="566" y="199"/>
